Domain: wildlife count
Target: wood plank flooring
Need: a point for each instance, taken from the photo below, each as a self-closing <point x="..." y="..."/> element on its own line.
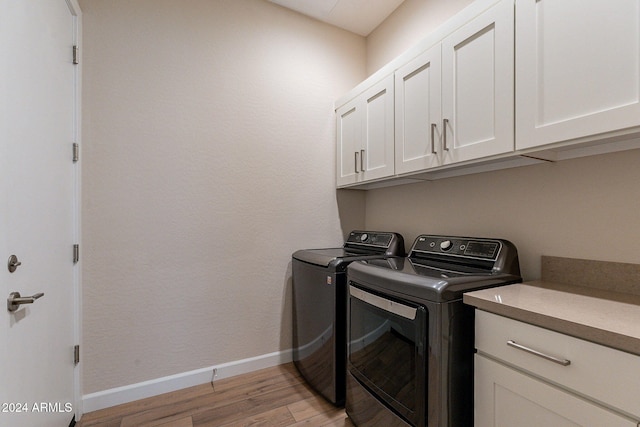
<point x="276" y="396"/>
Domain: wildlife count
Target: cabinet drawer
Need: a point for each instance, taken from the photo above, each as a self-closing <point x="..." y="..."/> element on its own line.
<point x="605" y="375"/>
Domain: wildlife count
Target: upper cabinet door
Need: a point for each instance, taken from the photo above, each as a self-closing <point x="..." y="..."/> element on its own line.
<point x="349" y="142"/>
<point x="364" y="135"/>
<point x="418" y="112"/>
<point x="478" y="87"/>
<point x="376" y="155"/>
<point x="577" y="69"/>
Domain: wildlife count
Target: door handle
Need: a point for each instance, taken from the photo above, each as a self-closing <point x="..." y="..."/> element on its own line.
<point x="383" y="303"/>
<point x="15" y="300"/>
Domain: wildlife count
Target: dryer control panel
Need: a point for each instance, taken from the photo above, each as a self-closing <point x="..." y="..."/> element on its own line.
<point x="486" y="249"/>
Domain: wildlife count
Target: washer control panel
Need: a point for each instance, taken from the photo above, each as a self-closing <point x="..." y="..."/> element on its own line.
<point x="370" y="238"/>
<point x="457" y="246"/>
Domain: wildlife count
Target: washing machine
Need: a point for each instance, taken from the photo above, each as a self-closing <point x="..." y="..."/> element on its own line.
<point x="319" y="307"/>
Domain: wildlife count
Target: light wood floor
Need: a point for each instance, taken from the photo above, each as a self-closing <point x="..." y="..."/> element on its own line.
<point x="270" y="397"/>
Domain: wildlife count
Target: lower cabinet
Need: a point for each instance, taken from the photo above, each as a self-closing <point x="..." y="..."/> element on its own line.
<point x="505" y="397"/>
<point x="528" y="376"/>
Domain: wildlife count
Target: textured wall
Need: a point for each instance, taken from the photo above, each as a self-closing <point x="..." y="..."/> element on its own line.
<point x="410" y="22"/>
<point x="582" y="208"/>
<point x="208" y="158"/>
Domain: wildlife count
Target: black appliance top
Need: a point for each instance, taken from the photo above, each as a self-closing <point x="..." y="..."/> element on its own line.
<point x="441" y="268"/>
<point x="359" y="245"/>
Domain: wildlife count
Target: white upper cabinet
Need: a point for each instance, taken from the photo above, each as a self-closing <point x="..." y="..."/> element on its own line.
<point x="477" y="87"/>
<point x="446" y="104"/>
<point x="454" y="102"/>
<point x="365" y="135"/>
<point x="418" y="112"/>
<point x="502" y="83"/>
<point x="348" y="130"/>
<point x="376" y="155"/>
<point x="577" y="69"/>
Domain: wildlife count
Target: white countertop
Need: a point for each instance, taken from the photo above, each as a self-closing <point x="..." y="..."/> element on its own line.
<point x="607" y="318"/>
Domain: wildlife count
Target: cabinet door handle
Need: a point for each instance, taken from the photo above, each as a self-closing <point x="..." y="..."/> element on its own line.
<point x="445" y="122"/>
<point x="563" y="362"/>
<point x="362" y="160"/>
<point x="433" y="138"/>
<point x="355" y="158"/>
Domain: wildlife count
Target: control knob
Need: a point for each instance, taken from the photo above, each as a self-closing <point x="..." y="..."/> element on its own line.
<point x="446" y="245"/>
<point x="364" y="237"/>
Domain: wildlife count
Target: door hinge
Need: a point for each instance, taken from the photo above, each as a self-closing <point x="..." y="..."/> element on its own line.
<point x="76" y="354"/>
<point x="76" y="253"/>
<point x="76" y="56"/>
<point x="76" y="152"/>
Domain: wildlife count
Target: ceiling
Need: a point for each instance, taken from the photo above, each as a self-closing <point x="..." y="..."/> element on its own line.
<point x="358" y="16"/>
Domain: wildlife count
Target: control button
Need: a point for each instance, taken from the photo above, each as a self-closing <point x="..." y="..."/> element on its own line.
<point x="463" y="247"/>
<point x="446" y="245"/>
<point x="364" y="237"/>
<point x="432" y="244"/>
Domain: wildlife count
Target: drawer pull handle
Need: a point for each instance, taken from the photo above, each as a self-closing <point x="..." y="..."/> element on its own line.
<point x="563" y="362"/>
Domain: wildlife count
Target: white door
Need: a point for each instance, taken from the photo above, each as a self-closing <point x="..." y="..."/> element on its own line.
<point x="418" y="113"/>
<point x="37" y="187"/>
<point x="577" y="69"/>
<point x="477" y="86"/>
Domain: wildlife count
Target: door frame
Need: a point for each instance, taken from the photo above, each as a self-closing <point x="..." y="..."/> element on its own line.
<point x="76" y="12"/>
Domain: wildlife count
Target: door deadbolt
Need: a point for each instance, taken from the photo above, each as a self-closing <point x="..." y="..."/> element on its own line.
<point x="13" y="263"/>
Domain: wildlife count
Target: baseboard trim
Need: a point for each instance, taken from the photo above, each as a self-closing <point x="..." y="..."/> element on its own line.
<point x="119" y="395"/>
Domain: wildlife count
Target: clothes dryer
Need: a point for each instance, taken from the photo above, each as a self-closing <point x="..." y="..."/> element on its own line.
<point x="411" y="338"/>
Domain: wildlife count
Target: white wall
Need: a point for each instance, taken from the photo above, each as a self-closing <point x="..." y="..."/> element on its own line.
<point x="582" y="208"/>
<point x="208" y="158"/>
<point x="410" y="22"/>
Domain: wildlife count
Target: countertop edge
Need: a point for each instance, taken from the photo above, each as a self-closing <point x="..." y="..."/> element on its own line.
<point x="591" y="333"/>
